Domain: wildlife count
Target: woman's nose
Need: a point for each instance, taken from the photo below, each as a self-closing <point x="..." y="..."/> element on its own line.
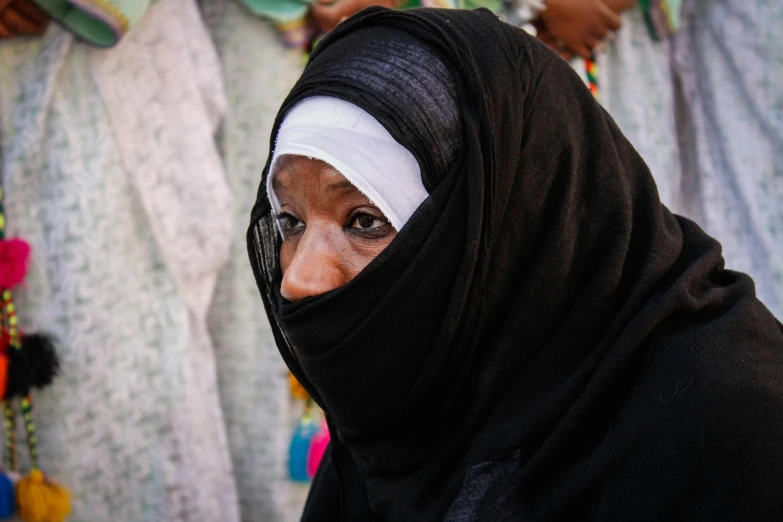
<point x="314" y="269"/>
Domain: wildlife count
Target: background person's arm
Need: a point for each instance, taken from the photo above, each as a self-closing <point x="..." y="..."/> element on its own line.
<point x="576" y="27"/>
<point x="328" y="13"/>
<point x="21" y="18"/>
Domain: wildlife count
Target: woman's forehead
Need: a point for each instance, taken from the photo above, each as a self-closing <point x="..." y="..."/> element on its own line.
<point x="292" y="170"/>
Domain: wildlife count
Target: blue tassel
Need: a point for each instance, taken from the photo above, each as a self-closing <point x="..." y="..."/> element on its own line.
<point x="7" y="503"/>
<point x="300" y="445"/>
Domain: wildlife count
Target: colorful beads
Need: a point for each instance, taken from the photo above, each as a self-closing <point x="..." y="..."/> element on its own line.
<point x="32" y="440"/>
<point x="8" y="310"/>
<point x="592" y="76"/>
<point x="10" y="432"/>
<point x="32" y="364"/>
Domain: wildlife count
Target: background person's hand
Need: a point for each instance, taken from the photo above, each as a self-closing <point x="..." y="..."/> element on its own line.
<point x="552" y="41"/>
<point x="21" y="18"/>
<point x="327" y="14"/>
<point x="579" y="25"/>
<point x="619" y="6"/>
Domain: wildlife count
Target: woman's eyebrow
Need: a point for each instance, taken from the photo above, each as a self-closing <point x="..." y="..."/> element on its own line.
<point x="340" y="185"/>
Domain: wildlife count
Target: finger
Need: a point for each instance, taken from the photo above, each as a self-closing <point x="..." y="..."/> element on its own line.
<point x="21" y="25"/>
<point x="324" y="17"/>
<point x="32" y="12"/>
<point x="541" y="26"/>
<point x="599" y="32"/>
<point x="323" y="9"/>
<point x="5" y="32"/>
<point x="548" y="39"/>
<point x="566" y="55"/>
<point x="584" y="52"/>
<point x="618" y="6"/>
<point x="611" y="18"/>
<point x="591" y="43"/>
<point x="560" y="45"/>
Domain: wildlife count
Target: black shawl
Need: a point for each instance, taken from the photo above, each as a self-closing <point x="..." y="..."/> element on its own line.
<point x="543" y="340"/>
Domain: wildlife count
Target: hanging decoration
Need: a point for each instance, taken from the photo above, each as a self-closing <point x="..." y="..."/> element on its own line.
<point x="591" y="70"/>
<point x="298" y="451"/>
<point x="27" y="362"/>
<point x="7" y="497"/>
<point x="318" y="446"/>
<point x="310" y="437"/>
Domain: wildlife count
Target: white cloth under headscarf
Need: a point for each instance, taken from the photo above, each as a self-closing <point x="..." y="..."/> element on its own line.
<point x="359" y="147"/>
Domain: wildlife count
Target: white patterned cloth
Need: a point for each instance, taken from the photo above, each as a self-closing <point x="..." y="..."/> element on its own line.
<point x="728" y="58"/>
<point x="705" y="111"/>
<point x="112" y="174"/>
<point x="635" y="82"/>
<point x="258" y="72"/>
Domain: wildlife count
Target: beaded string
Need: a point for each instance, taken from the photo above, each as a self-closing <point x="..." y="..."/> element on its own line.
<point x="591" y="68"/>
<point x="37" y="497"/>
<point x="9" y="317"/>
<point x="14" y="344"/>
<point x="10" y="431"/>
<point x="10" y="324"/>
<point x="32" y="440"/>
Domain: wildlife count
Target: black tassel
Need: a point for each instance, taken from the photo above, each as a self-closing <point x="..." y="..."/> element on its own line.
<point x="34" y="366"/>
<point x="41" y="354"/>
<point x="20" y="375"/>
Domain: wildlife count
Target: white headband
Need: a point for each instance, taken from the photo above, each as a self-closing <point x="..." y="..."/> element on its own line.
<point x="359" y="147"/>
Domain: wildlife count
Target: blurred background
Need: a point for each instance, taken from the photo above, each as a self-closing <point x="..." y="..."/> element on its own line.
<point x="133" y="134"/>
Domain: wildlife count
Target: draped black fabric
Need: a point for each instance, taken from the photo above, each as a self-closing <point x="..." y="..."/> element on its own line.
<point x="543" y="340"/>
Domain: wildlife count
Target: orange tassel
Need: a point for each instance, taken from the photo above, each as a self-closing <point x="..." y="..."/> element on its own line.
<point x="297" y="390"/>
<point x="41" y="500"/>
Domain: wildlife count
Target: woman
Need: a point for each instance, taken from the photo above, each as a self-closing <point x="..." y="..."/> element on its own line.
<point x="108" y="159"/>
<point x="533" y="338"/>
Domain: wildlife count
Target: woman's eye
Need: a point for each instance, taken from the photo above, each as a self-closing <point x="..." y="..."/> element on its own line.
<point x="368" y="222"/>
<point x="289" y="223"/>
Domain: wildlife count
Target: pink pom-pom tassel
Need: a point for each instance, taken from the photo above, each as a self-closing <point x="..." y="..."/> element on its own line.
<point x="317" y="449"/>
<point x="14" y="254"/>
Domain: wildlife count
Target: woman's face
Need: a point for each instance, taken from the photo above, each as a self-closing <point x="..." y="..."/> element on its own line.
<point x="331" y="231"/>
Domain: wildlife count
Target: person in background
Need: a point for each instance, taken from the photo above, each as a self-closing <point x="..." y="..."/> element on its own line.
<point x="704" y="107"/>
<point x="111" y="173"/>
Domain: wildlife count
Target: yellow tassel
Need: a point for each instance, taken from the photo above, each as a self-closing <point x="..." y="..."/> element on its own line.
<point x="41" y="500"/>
<point x="297" y="390"/>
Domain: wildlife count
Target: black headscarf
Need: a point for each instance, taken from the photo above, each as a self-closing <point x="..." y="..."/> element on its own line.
<point x="543" y="340"/>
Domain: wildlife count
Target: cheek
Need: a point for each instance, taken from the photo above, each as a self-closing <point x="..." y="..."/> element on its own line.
<point x="362" y="253"/>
